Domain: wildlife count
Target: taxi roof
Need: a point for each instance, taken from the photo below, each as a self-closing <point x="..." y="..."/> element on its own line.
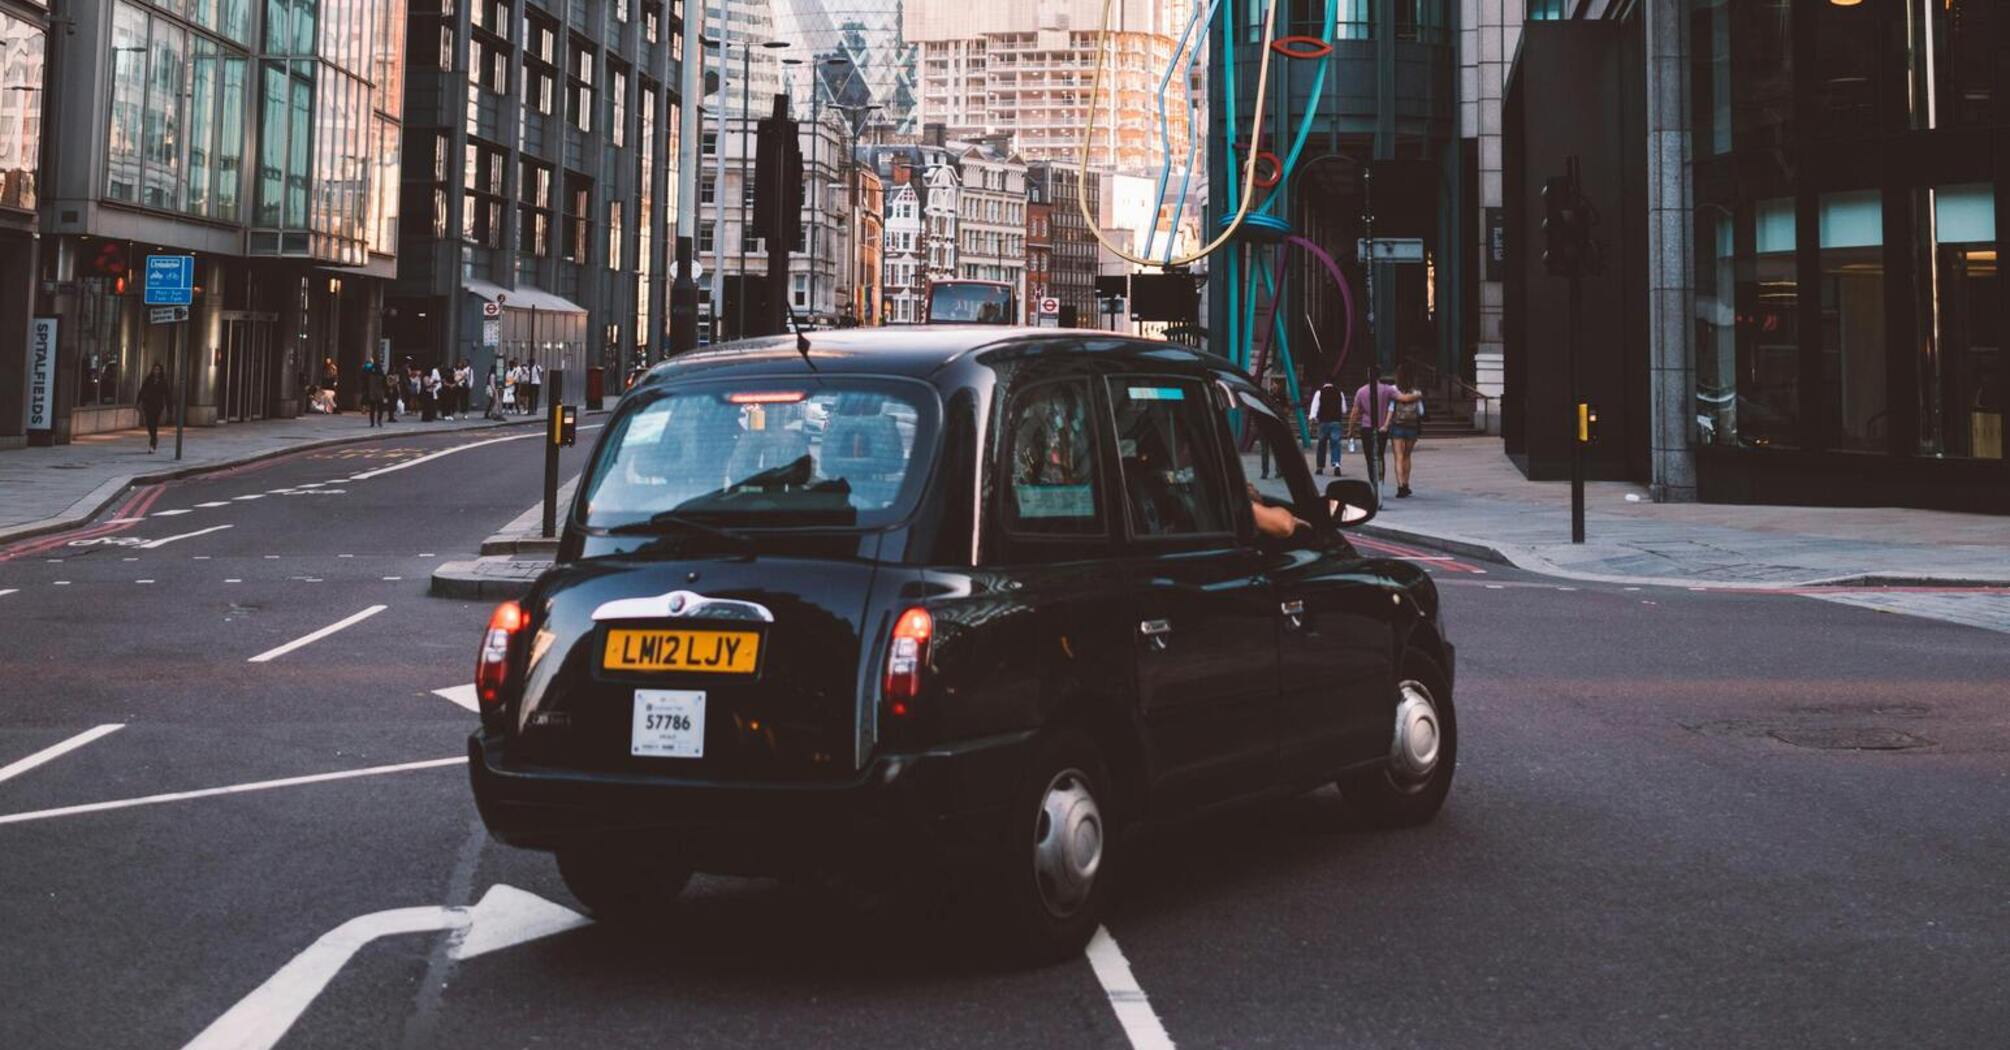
<point x="910" y="350"/>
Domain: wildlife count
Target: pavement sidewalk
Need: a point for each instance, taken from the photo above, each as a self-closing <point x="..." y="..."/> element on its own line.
<point x="49" y="489"/>
<point x="1471" y="500"/>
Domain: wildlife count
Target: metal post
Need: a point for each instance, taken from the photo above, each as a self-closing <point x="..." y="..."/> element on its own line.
<point x="181" y="371"/>
<point x="746" y="155"/>
<point x="554" y="388"/>
<point x="719" y="209"/>
<point x="1577" y="435"/>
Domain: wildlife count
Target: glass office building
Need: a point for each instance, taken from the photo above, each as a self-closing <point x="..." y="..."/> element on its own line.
<point x="24" y="41"/>
<point x="260" y="137"/>
<point x="1850" y="165"/>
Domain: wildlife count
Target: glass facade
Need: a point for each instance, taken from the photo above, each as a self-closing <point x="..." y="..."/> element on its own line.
<point x="175" y="134"/>
<point x="22" y="64"/>
<point x="1848" y="297"/>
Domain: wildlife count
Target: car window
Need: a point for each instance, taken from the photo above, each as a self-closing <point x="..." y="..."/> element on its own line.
<point x="1050" y="463"/>
<point x="1289" y="484"/>
<point x="766" y="454"/>
<point x="1172" y="482"/>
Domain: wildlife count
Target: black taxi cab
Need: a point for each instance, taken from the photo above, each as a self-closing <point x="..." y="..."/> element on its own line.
<point x="965" y="600"/>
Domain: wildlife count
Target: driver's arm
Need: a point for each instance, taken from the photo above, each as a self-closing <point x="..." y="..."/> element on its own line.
<point x="1276" y="522"/>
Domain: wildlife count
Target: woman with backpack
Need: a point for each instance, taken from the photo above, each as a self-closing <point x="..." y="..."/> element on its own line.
<point x="1405" y="423"/>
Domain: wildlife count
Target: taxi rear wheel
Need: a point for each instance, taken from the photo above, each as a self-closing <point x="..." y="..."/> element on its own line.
<point x="1409" y="786"/>
<point x="623" y="884"/>
<point x="1050" y="873"/>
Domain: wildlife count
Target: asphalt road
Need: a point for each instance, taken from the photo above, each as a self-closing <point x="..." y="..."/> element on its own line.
<point x="1682" y="819"/>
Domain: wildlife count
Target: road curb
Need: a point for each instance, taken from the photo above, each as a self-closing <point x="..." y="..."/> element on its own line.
<point x="82" y="511"/>
<point x="467" y="580"/>
<point x="1529" y="561"/>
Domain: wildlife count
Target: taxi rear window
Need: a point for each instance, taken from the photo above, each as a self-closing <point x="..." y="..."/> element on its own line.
<point x="815" y="453"/>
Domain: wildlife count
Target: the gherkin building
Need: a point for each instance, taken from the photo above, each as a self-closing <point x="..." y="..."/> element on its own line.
<point x="851" y="53"/>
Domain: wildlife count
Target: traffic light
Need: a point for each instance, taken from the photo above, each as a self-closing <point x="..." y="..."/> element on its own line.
<point x="1566" y="230"/>
<point x="565" y="426"/>
<point x="778" y="178"/>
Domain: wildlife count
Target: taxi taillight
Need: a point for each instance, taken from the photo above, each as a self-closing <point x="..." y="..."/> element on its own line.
<point x="906" y="658"/>
<point x="492" y="666"/>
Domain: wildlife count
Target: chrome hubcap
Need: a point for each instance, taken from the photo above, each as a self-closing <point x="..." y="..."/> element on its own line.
<point x="1414" y="754"/>
<point x="1067" y="843"/>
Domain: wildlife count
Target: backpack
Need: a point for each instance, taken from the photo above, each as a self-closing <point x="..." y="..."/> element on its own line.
<point x="1406" y="413"/>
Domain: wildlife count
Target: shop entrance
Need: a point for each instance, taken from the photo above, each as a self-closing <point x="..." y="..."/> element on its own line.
<point x="246" y="381"/>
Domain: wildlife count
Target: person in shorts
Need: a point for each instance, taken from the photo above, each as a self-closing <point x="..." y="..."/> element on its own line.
<point x="1404" y="424"/>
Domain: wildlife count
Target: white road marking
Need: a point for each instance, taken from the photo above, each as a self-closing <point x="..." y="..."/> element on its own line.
<point x="463" y="695"/>
<point x="1496" y="586"/>
<point x="1134" y="1011"/>
<point x="310" y="485"/>
<point x="9" y="772"/>
<point x="345" y="555"/>
<point x="132" y="559"/>
<point x="214" y="503"/>
<point x="272" y="557"/>
<point x="393" y="579"/>
<point x="52" y="561"/>
<point x="62" y="583"/>
<point x="255" y="495"/>
<point x="503" y="918"/>
<point x="168" y="513"/>
<point x="121" y="521"/>
<point x="184" y="536"/>
<point x="310" y="639"/>
<point x="202" y="557"/>
<point x="234" y="789"/>
<point x="277" y="492"/>
<point x="233" y="579"/>
<point x="10" y="590"/>
<point x="143" y="581"/>
<point x="381" y="471"/>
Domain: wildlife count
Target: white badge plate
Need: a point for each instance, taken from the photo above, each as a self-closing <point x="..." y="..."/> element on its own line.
<point x="669" y="723"/>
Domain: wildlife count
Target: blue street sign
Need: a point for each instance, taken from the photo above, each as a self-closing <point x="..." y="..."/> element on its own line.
<point x="170" y="280"/>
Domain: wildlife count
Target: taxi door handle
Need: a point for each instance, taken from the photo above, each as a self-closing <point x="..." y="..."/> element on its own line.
<point x="1294" y="613"/>
<point x="1156" y="634"/>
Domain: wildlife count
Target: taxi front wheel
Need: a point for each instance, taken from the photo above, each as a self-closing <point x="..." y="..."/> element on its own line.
<point x="623" y="885"/>
<point x="1409" y="786"/>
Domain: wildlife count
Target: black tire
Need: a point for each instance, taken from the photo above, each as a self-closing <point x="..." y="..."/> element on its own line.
<point x="623" y="886"/>
<point x="1392" y="794"/>
<point x="1034" y="918"/>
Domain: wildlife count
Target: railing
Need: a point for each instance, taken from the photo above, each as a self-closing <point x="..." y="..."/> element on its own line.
<point x="1456" y="390"/>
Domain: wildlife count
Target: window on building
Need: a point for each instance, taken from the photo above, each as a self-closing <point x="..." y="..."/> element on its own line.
<point x="617" y="104"/>
<point x="540" y="58"/>
<point x="534" y="209"/>
<point x="652" y="20"/>
<point x="1957" y="302"/>
<point x="491" y="23"/>
<point x="578" y="217"/>
<point x="579" y="85"/>
<point x="1854" y="379"/>
<point x="1847" y="79"/>
<point x="614" y="260"/>
<point x="163" y="131"/>
<point x="1548" y="10"/>
<point x="482" y="180"/>
<point x="1954" y="60"/>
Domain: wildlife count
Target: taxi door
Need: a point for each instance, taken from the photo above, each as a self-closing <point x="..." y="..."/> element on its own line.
<point x="1206" y="642"/>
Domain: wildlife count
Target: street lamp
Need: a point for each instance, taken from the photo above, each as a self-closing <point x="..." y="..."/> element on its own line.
<point x="719" y="184"/>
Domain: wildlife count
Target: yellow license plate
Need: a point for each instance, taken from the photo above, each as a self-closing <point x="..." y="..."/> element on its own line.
<point x="695" y="652"/>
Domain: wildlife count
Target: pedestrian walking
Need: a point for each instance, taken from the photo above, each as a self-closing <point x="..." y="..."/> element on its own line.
<point x="373" y="391"/>
<point x="394" y="396"/>
<point x="1365" y="419"/>
<point x="492" y="405"/>
<point x="1405" y="424"/>
<point x="152" y="402"/>
<point x="329" y="378"/>
<point x="464" y="381"/>
<point x="429" y="396"/>
<point x="534" y="378"/>
<point x="449" y="395"/>
<point x="1329" y="412"/>
<point x="512" y="379"/>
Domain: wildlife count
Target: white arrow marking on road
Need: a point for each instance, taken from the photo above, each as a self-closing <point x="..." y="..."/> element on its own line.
<point x="463" y="695"/>
<point x="381" y="471"/>
<point x="309" y="639"/>
<point x="504" y="917"/>
<point x="15" y="769"/>
<point x="186" y="535"/>
<point x="259" y="785"/>
<point x="1134" y="1011"/>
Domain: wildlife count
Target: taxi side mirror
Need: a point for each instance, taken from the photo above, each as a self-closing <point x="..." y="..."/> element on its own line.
<point x="1351" y="502"/>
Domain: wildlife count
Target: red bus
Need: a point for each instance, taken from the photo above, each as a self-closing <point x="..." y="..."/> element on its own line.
<point x="972" y="302"/>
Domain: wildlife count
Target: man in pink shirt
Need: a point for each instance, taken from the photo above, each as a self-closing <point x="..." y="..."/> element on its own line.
<point x="1375" y="398"/>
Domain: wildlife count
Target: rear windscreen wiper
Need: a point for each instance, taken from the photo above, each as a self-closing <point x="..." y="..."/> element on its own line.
<point x="674" y="520"/>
